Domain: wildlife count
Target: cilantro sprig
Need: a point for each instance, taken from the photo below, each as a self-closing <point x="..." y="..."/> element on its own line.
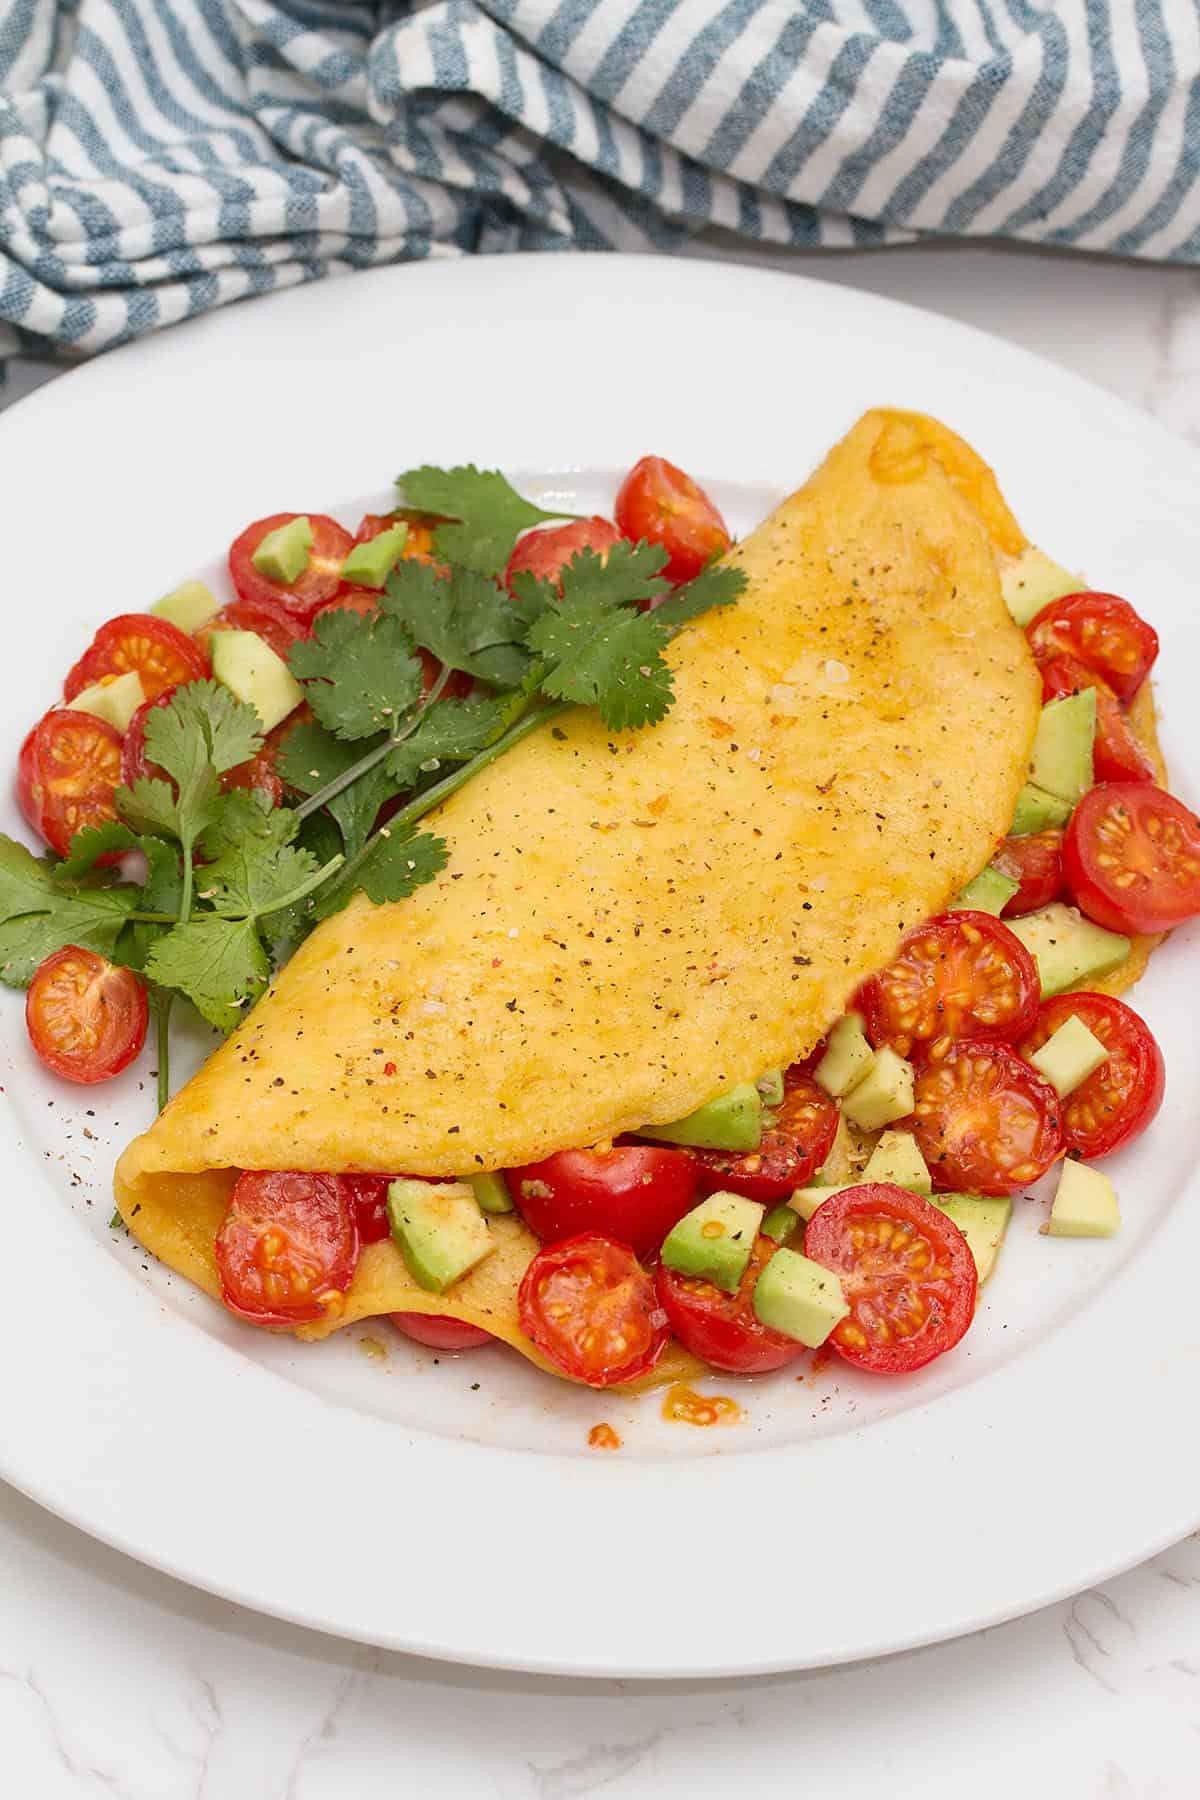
<point x="216" y="882"/>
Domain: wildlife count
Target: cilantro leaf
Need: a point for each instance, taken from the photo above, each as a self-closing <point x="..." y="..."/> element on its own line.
<point x="255" y="877"/>
<point x="624" y="575"/>
<point x="201" y="724"/>
<point x="149" y="806"/>
<point x="245" y="813"/>
<point x="38" y="915"/>
<point x="361" y="674"/>
<point x="487" y="510"/>
<point x="450" y="732"/>
<point x="463" y="618"/>
<point x="393" y="866"/>
<point x="220" y="964"/>
<point x="311" y="757"/>
<point x="162" y="892"/>
<point x="612" y="660"/>
<point x="716" y="585"/>
<point x="93" y="842"/>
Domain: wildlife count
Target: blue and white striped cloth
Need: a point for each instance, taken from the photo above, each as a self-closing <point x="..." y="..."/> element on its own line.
<point x="159" y="157"/>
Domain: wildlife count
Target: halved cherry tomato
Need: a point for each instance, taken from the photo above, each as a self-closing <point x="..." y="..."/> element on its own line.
<point x="1101" y="631"/>
<point x="418" y="546"/>
<point x="660" y="503"/>
<point x="590" y="1307"/>
<point x="439" y="1332"/>
<point x="1035" y="861"/>
<point x="157" y="650"/>
<point x="257" y="773"/>
<point x="1132" y="857"/>
<point x="986" y="1123"/>
<point x="963" y="975"/>
<point x="67" y="770"/>
<point x="368" y="1194"/>
<point x="723" y="1329"/>
<point x="907" y="1273"/>
<point x="1117" y="754"/>
<point x="268" y="619"/>
<point x="791" y="1151"/>
<point x="287" y="1248"/>
<point x="1115" y="1105"/>
<point x="318" y="582"/>
<point x="634" y="1193"/>
<point x="85" y="1016"/>
<point x="543" y="552"/>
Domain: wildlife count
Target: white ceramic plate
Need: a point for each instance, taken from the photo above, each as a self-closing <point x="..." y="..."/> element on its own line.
<point x="452" y="1507"/>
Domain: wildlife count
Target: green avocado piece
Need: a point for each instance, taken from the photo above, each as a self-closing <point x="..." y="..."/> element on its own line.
<point x="1061" y="760"/>
<point x="897" y="1159"/>
<point x="805" y="1201"/>
<point x="440" y="1230"/>
<point x="713" y="1242"/>
<point x="1085" y="1204"/>
<point x="249" y="668"/>
<point x="187" y="607"/>
<point x="1069" y="1055"/>
<point x="884" y="1094"/>
<point x="983" y="1221"/>
<point x="1068" y="948"/>
<point x="1031" y="581"/>
<point x="799" y="1298"/>
<point x="283" y="553"/>
<point x="780" y="1223"/>
<point x="847" y="1057"/>
<point x="491" y="1191"/>
<point x="733" y="1121"/>
<point x="114" y="700"/>
<point x="989" y="892"/>
<point x="1036" y="810"/>
<point x="371" y="563"/>
<point x="770" y="1087"/>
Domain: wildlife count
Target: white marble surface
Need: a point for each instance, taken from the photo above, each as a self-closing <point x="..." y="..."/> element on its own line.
<point x="116" y="1682"/>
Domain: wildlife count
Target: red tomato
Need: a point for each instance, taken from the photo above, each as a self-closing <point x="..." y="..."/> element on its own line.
<point x="418" y="546"/>
<point x="1115" y="1105"/>
<point x="257" y="774"/>
<point x="85" y="1016"/>
<point x="1132" y="857"/>
<point x="368" y="1196"/>
<point x="439" y="1332"/>
<point x="723" y="1329"/>
<point x="660" y="503"/>
<point x="361" y="600"/>
<point x="159" y="652"/>
<point x="542" y="553"/>
<point x="1035" y="861"/>
<point x="270" y="620"/>
<point x="590" y="1307"/>
<point x="319" y="581"/>
<point x="634" y="1193"/>
<point x="1118" y="754"/>
<point x="1102" y="632"/>
<point x="287" y="1248"/>
<point x="791" y="1151"/>
<point x="67" y="769"/>
<point x="907" y="1273"/>
<point x="985" y="1122"/>
<point x="963" y="975"/>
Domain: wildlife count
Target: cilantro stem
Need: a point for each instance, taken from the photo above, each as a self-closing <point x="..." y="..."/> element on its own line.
<point x="185" y="897"/>
<point x="374" y="757"/>
<point x="163" y="1000"/>
<point x="152" y="918"/>
<point x="302" y="888"/>
<point x="450" y="784"/>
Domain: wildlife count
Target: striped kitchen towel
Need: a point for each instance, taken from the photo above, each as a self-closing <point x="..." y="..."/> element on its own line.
<point x="159" y="157"/>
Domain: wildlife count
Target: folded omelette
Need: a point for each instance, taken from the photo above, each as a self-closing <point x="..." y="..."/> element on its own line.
<point x="631" y="923"/>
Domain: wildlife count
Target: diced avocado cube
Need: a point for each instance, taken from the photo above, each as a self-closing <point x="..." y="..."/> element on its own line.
<point x="1036" y="810"/>
<point x="1085" y="1204"/>
<point x="439" y="1229"/>
<point x="896" y="1158"/>
<point x="491" y="1191"/>
<point x="1069" y="1055"/>
<point x="1031" y="581"/>
<point x="770" y="1087"/>
<point x="884" y="1094"/>
<point x="805" y="1201"/>
<point x="989" y="892"/>
<point x="983" y="1221"/>
<point x="1061" y="759"/>
<point x="115" y="699"/>
<point x="283" y="553"/>
<point x="799" y="1298"/>
<point x="733" y="1121"/>
<point x="780" y="1223"/>
<point x="847" y="1057"/>
<point x="371" y="563"/>
<point x="1068" y="948"/>
<point x="249" y="668"/>
<point x="713" y="1242"/>
<point x="187" y="607"/>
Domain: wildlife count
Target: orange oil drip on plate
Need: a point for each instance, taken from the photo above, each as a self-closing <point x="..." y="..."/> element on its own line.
<point x="603" y="1437"/>
<point x="685" y="1406"/>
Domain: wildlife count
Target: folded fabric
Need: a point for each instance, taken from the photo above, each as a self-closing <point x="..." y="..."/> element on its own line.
<point x="159" y="157"/>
